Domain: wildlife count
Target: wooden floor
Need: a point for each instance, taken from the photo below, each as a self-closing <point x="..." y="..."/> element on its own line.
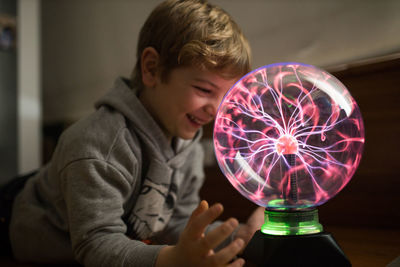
<point x="364" y="247"/>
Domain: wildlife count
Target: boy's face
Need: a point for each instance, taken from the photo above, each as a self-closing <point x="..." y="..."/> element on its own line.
<point x="188" y="100"/>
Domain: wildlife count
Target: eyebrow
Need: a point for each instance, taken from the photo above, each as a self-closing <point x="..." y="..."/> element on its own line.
<point x="207" y="81"/>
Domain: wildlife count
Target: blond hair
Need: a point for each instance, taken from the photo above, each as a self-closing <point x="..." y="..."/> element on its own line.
<point x="196" y="33"/>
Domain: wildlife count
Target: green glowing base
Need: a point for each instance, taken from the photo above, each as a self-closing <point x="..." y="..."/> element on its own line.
<point x="293" y="238"/>
<point x="298" y="222"/>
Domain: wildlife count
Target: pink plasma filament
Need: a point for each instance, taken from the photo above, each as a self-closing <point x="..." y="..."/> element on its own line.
<point x="283" y="121"/>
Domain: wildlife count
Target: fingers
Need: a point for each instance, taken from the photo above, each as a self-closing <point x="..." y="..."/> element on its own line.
<point x="228" y="253"/>
<point x="202" y="207"/>
<point x="237" y="263"/>
<point x="201" y="218"/>
<point x="253" y="224"/>
<point x="199" y="247"/>
<point x="219" y="234"/>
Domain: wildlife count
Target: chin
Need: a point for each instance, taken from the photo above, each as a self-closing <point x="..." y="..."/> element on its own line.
<point x="187" y="136"/>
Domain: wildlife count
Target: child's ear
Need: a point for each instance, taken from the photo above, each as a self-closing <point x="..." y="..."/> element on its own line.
<point x="149" y="64"/>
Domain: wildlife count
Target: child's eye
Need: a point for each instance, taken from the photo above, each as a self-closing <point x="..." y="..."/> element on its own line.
<point x="204" y="90"/>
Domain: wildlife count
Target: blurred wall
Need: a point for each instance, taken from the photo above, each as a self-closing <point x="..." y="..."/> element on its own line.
<point x="88" y="43"/>
<point x="29" y="85"/>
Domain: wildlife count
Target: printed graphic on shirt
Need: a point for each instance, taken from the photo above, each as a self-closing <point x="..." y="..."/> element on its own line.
<point x="153" y="209"/>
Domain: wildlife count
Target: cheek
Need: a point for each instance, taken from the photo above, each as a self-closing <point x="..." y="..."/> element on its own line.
<point x="192" y="101"/>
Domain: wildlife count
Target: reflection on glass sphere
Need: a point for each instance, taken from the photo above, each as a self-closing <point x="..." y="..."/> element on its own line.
<point x="288" y="136"/>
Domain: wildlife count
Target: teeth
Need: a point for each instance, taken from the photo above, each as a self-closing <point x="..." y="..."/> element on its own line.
<point x="194" y="119"/>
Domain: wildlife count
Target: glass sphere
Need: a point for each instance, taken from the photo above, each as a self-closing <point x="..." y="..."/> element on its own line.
<point x="288" y="136"/>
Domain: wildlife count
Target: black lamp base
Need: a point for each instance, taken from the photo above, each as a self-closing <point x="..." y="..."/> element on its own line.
<point x="294" y="250"/>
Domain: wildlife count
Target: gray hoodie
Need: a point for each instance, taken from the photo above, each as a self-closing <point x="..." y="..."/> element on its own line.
<point x="83" y="205"/>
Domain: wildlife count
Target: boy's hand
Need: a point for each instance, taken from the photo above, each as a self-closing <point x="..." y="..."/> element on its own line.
<point x="194" y="248"/>
<point x="254" y="223"/>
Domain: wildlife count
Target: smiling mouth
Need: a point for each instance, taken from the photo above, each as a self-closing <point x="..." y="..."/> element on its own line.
<point x="195" y="120"/>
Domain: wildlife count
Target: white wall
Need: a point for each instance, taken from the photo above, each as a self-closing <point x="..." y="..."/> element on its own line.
<point x="29" y="85"/>
<point x="87" y="43"/>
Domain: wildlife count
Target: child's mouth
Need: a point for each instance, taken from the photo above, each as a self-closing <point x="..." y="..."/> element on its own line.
<point x="194" y="120"/>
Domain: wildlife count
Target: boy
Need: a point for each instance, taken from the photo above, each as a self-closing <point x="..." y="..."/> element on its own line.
<point x="130" y="173"/>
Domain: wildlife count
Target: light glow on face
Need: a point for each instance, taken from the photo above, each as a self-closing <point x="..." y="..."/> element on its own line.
<point x="288" y="135"/>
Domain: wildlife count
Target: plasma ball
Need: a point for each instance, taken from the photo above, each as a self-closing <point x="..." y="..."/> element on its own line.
<point x="286" y="145"/>
<point x="288" y="136"/>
